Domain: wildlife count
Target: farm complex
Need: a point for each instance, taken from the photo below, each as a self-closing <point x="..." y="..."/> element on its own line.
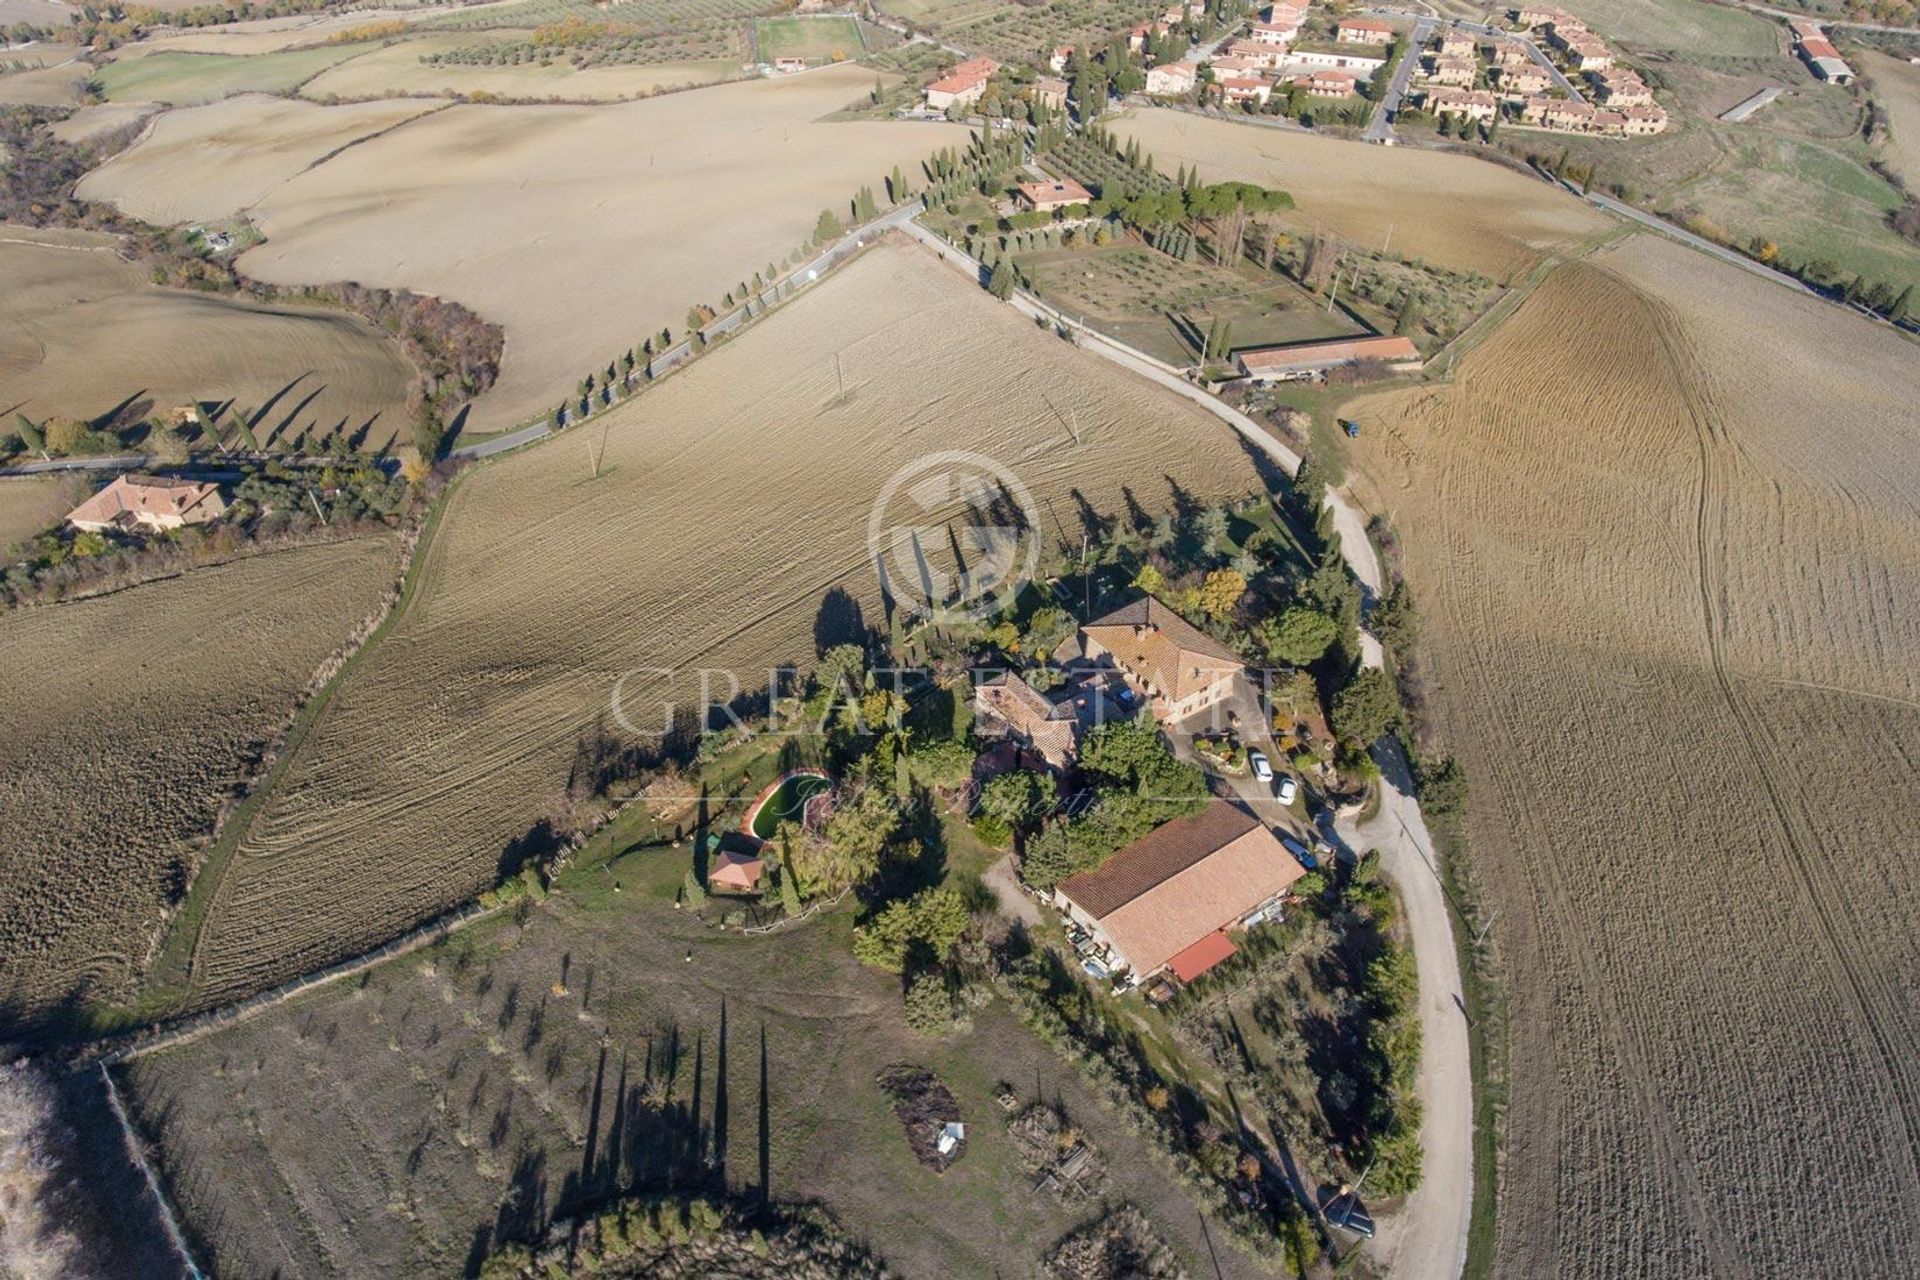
<point x="1086" y="638"/>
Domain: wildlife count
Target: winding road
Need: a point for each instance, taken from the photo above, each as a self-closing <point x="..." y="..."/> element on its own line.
<point x="1427" y="1236"/>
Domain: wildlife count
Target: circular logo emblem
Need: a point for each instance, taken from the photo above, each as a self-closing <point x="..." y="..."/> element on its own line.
<point x="954" y="537"/>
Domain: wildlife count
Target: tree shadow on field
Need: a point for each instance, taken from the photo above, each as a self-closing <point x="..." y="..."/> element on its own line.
<point x="840" y="620"/>
<point x="1271" y="473"/>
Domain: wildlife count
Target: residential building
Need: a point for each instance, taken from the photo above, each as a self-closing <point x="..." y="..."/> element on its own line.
<point x="1618" y="87"/>
<point x="963" y="85"/>
<point x="1171" y="78"/>
<point x="1257" y="55"/>
<point x="1054" y="193"/>
<point x="1524" y="79"/>
<point x="1274" y="33"/>
<point x="1137" y="37"/>
<point x="1642" y="121"/>
<point x="1008" y="709"/>
<point x="1287" y="13"/>
<point x="1180" y="668"/>
<point x="1535" y="16"/>
<point x="1310" y="359"/>
<point x="1245" y="88"/>
<point x="1305" y="60"/>
<point x="1170" y="901"/>
<point x="1503" y="52"/>
<point x="1061" y="55"/>
<point x="149" y="503"/>
<point x="1582" y="51"/>
<point x="1363" y="31"/>
<point x="1329" y="84"/>
<point x="1457" y="72"/>
<point x="1227" y="65"/>
<point x="1454" y="44"/>
<point x="1050" y="93"/>
<point x="1474" y="104"/>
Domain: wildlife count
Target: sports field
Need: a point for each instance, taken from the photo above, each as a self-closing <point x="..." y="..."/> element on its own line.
<point x="823" y="39"/>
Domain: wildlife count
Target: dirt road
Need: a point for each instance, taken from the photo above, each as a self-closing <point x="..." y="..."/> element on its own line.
<point x="1428" y="1236"/>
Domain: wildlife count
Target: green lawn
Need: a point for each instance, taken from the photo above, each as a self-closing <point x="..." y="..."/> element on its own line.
<point x="826" y="39"/>
<point x="1691" y="26"/>
<point x="187" y="78"/>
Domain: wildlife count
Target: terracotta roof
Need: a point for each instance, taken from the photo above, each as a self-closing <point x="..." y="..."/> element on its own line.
<point x="1161" y="647"/>
<point x="1362" y="24"/>
<point x="1201" y="956"/>
<point x="1189" y="878"/>
<point x="1055" y="191"/>
<point x="131" y="497"/>
<point x="734" y="870"/>
<point x="969" y="74"/>
<point x="1053" y="729"/>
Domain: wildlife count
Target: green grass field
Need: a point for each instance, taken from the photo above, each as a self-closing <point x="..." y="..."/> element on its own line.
<point x="1690" y="26"/>
<point x="832" y="38"/>
<point x="187" y="78"/>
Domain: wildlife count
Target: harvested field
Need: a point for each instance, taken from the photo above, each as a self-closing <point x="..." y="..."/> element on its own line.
<point x="31" y="504"/>
<point x="92" y="121"/>
<point x="398" y="68"/>
<point x="395" y="1127"/>
<point x="577" y="239"/>
<point x="1674" y="636"/>
<point x="1462" y="213"/>
<point x="40" y="13"/>
<point x="1896" y="87"/>
<point x="57" y="86"/>
<point x="133" y="715"/>
<point x="83" y="331"/>
<point x="731" y="499"/>
<point x="185" y="79"/>
<point x="203" y="164"/>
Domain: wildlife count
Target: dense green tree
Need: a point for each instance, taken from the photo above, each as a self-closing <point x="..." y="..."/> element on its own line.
<point x="828" y="227"/>
<point x="1300" y="635"/>
<point x="1366" y="708"/>
<point x="918" y="931"/>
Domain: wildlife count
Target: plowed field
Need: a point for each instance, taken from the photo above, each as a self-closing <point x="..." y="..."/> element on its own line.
<point x="1460" y="212"/>
<point x="1667" y="527"/>
<point x="731" y="499"/>
<point x="582" y="229"/>
<point x="127" y="718"/>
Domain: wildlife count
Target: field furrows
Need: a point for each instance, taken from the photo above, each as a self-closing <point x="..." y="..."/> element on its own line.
<point x="715" y="530"/>
<point x="1697" y="857"/>
<point x="106" y="783"/>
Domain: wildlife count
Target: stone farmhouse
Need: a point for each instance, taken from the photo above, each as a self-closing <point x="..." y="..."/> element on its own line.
<point x="963" y="85"/>
<point x="134" y="503"/>
<point x="1179" y="668"/>
<point x="1169" y="902"/>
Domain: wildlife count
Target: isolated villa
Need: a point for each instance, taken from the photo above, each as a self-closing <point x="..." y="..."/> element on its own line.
<point x="1181" y="668"/>
<point x="148" y="502"/>
<point x="1168" y="901"/>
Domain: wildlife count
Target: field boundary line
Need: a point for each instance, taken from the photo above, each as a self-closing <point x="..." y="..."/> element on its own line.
<point x="204" y="889"/>
<point x="137" y="1152"/>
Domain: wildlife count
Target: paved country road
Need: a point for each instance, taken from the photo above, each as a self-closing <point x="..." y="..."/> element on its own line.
<point x="1427" y="1237"/>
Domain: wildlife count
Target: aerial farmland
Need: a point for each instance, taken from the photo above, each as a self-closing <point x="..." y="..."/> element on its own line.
<point x="1086" y="639"/>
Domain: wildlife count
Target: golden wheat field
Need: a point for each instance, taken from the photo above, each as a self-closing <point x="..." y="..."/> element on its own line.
<point x="128" y="718"/>
<point x="1665" y="525"/>
<point x="202" y="164"/>
<point x="732" y="498"/>
<point x="99" y="118"/>
<point x="1896" y="87"/>
<point x="1459" y="212"/>
<point x="580" y="229"/>
<point x="83" y="331"/>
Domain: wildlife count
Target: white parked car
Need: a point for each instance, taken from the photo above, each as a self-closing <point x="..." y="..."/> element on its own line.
<point x="1285" y="790"/>
<point x="1261" y="769"/>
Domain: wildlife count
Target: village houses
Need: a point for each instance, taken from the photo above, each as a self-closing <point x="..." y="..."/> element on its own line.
<point x="1618" y="87"/>
<point x="1525" y="79"/>
<point x="1456" y="72"/>
<point x="136" y="503"/>
<point x="1243" y="88"/>
<point x="1171" y="78"/>
<point x="962" y="86"/>
<point x="1050" y="93"/>
<point x="1329" y="84"/>
<point x="1454" y="44"/>
<point x="1474" y="104"/>
<point x="1363" y="31"/>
